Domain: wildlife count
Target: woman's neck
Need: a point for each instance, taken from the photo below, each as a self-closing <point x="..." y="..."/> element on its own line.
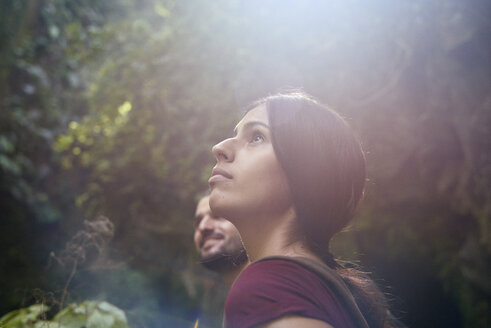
<point x="272" y="237"/>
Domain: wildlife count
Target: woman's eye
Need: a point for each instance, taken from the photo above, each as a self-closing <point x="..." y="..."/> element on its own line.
<point x="257" y="138"/>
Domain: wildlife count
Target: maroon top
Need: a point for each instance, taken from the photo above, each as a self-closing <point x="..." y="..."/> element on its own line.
<point x="269" y="289"/>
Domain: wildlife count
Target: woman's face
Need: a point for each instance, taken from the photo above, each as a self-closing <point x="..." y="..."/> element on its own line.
<point x="247" y="181"/>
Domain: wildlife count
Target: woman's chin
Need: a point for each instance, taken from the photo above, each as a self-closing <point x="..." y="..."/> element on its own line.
<point x="217" y="203"/>
<point x="222" y="206"/>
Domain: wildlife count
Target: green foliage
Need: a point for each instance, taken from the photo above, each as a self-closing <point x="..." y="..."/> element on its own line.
<point x="111" y="107"/>
<point x="23" y="317"/>
<point x="87" y="314"/>
<point x="41" y="87"/>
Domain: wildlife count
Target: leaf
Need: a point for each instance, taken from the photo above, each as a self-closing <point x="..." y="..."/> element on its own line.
<point x="49" y="324"/>
<point x="72" y="316"/>
<point x="8" y="317"/>
<point x="8" y="165"/>
<point x="5" y="144"/>
<point x="124" y="108"/>
<point x="100" y="320"/>
<point x="113" y="310"/>
<point x="21" y="317"/>
<point x="161" y="10"/>
<point x="63" y="142"/>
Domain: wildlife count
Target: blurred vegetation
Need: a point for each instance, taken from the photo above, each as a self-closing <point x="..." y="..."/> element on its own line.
<point x="111" y="107"/>
<point x="87" y="314"/>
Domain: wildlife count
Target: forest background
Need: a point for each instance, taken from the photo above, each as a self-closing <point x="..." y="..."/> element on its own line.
<point x="111" y="107"/>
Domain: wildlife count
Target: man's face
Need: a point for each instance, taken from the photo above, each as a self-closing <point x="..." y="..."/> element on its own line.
<point x="216" y="239"/>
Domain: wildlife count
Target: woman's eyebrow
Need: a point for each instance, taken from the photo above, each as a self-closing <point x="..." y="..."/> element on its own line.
<point x="250" y="124"/>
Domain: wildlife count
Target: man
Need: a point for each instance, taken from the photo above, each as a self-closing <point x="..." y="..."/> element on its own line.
<point x="218" y="243"/>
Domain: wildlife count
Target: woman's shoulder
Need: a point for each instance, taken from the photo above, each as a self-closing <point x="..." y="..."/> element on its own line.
<point x="273" y="277"/>
<point x="271" y="288"/>
<point x="275" y="281"/>
<point x="276" y="269"/>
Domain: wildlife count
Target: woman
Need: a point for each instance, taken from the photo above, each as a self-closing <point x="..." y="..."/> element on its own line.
<point x="291" y="177"/>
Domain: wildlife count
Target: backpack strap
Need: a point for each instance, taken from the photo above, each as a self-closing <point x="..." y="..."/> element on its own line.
<point x="333" y="280"/>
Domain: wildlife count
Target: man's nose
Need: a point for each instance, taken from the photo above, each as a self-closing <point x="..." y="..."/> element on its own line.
<point x="207" y="223"/>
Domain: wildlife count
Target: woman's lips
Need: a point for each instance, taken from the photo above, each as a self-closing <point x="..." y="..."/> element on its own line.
<point x="216" y="178"/>
<point x="219" y="174"/>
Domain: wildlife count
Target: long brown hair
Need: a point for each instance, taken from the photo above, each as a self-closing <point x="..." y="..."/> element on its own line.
<point x="325" y="167"/>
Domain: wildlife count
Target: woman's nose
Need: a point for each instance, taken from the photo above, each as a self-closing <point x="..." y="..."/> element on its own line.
<point x="223" y="151"/>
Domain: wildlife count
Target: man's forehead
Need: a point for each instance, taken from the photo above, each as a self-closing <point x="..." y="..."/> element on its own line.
<point x="203" y="205"/>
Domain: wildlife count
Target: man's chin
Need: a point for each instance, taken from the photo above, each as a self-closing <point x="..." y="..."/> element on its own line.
<point x="206" y="257"/>
<point x="210" y="252"/>
<point x="221" y="262"/>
